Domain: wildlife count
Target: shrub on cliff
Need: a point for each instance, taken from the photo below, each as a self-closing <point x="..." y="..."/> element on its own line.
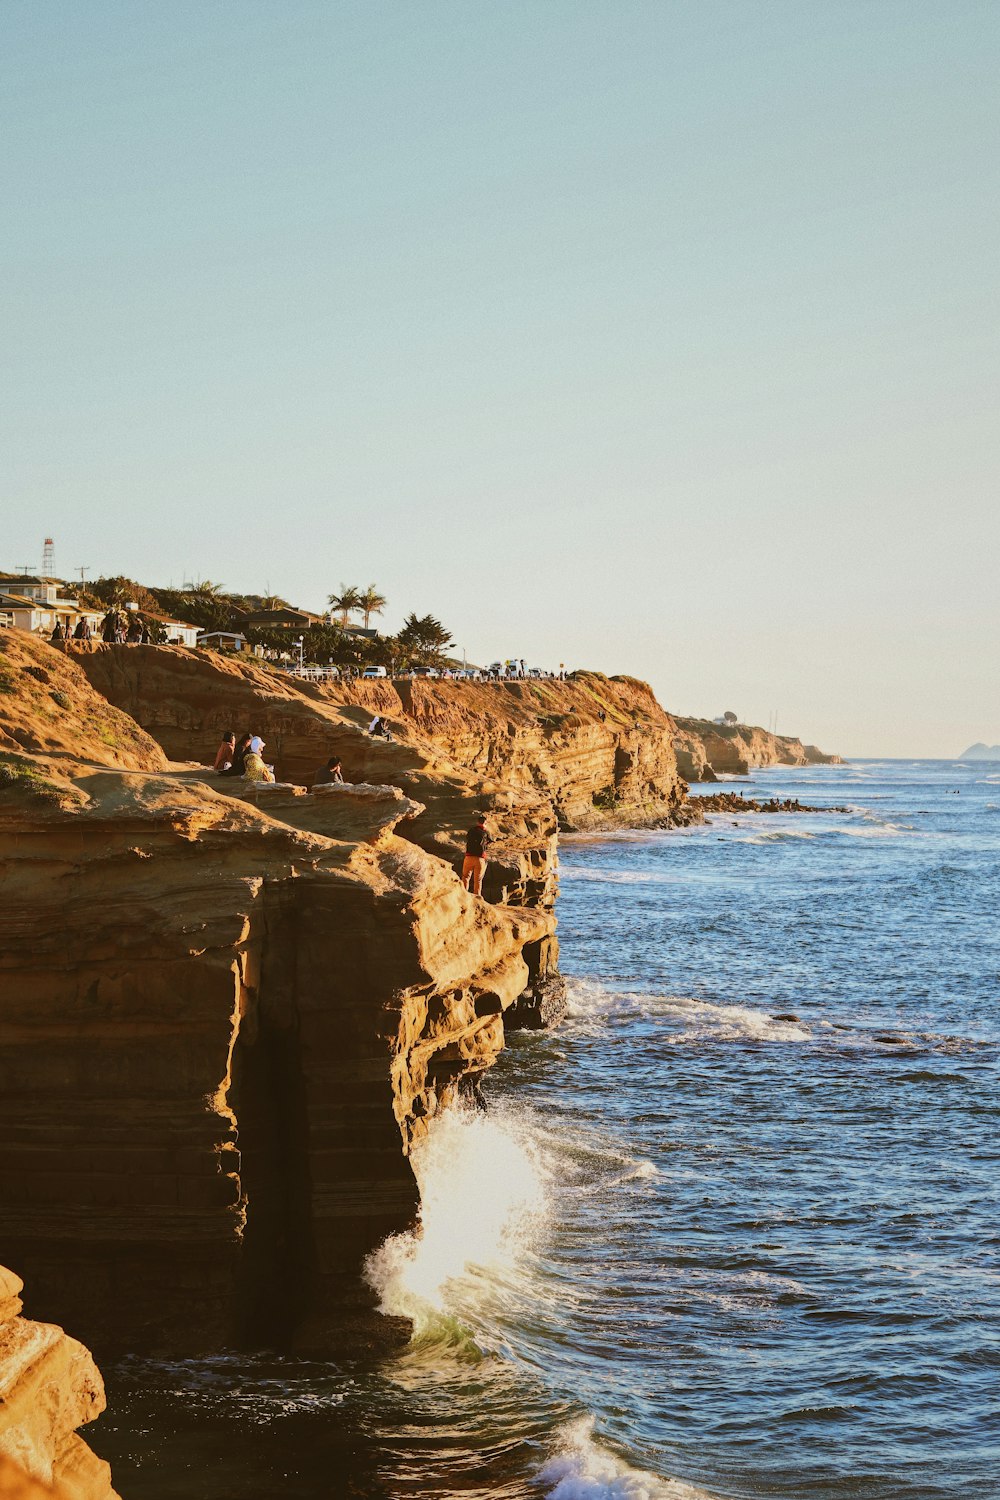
<point x="17" y="774"/>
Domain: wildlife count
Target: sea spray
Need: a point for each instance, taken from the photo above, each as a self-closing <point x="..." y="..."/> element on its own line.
<point x="482" y="1198"/>
<point x="581" y="1469"/>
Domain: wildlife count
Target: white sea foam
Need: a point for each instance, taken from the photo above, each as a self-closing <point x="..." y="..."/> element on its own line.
<point x="581" y="1469"/>
<point x="257" y="1389"/>
<point x="642" y="1171"/>
<point x="482" y="1199"/>
<point x="704" y="1021"/>
<point x="877" y="828"/>
<point x="780" y="835"/>
<point x="684" y="1019"/>
<point x="617" y="877"/>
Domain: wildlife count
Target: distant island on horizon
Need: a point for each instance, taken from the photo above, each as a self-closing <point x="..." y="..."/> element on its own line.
<point x="979" y="751"/>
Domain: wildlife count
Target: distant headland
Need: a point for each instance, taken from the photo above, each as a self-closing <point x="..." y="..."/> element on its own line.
<point x="979" y="751"/>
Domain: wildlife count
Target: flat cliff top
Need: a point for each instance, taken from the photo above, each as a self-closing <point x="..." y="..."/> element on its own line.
<point x="177" y="688"/>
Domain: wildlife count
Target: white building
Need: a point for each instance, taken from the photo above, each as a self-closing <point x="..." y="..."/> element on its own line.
<point x="29" y="586"/>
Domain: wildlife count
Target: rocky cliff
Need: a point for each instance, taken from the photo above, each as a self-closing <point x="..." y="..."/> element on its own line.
<point x="48" y="708"/>
<point x="49" y="1386"/>
<point x="220" y="1034"/>
<point x="225" y="1015"/>
<point x="706" y="750"/>
<point x="599" y="749"/>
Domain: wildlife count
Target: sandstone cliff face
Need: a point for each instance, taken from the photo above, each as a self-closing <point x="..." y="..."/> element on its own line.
<point x="227" y="1013"/>
<point x="706" y="750"/>
<point x="48" y="709"/>
<point x="49" y="1386"/>
<point x="221" y="1027"/>
<point x="541" y="738"/>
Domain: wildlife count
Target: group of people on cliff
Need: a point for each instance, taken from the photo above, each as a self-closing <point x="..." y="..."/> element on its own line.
<point x="117" y="629"/>
<point x="242" y="757"/>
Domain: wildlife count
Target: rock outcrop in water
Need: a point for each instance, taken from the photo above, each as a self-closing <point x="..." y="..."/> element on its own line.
<point x="225" y="1016"/>
<point x="219" y="1030"/>
<point x="706" y="750"/>
<point x="227" y="1012"/>
<point x="49" y="1386"/>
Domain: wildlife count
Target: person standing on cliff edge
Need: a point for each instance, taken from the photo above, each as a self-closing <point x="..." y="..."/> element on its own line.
<point x="477" y="841"/>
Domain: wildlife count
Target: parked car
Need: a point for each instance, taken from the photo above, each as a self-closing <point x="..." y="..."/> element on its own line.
<point x="426" y="672"/>
<point x="374" y="672"/>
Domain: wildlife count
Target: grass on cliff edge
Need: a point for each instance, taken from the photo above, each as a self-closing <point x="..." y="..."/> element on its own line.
<point x="22" y="776"/>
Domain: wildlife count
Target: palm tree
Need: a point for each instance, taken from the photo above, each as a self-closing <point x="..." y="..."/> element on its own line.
<point x="371" y="602"/>
<point x="346" y="602"/>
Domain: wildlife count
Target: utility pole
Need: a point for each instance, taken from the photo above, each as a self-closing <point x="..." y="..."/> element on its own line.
<point x="82" y="572"/>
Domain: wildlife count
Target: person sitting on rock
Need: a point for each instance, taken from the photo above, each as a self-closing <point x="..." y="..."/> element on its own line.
<point x="254" y="768"/>
<point x="330" y="773"/>
<point x="240" y="754"/>
<point x="378" y="729"/>
<point x="477" y="841"/>
<point x="57" y="632"/>
<point x="226" y="752"/>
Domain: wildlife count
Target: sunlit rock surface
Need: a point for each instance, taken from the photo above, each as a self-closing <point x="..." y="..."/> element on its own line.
<point x="49" y="1386"/>
<point x="227" y="1013"/>
<point x="706" y="750"/>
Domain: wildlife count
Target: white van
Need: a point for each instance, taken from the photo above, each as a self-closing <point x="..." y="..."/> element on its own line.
<point x="373" y="672"/>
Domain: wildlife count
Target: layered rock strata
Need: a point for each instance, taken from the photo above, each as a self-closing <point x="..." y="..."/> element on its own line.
<point x="706" y="750"/>
<point x="49" y="1386"/>
<point x="219" y="1035"/>
<point x="599" y="750"/>
<point x="227" y="1012"/>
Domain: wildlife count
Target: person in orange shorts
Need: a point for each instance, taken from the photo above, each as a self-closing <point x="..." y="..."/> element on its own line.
<point x="477" y="841"/>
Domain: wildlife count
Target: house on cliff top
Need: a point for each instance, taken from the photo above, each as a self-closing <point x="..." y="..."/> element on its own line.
<point x="34" y="604"/>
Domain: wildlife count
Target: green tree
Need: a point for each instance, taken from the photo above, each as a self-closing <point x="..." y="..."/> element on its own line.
<point x="346" y="602"/>
<point x="118" y="591"/>
<point x="424" y="639"/>
<point x="207" y="611"/>
<point x="371" y="602"/>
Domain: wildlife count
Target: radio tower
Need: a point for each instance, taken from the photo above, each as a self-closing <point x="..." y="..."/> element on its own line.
<point x="48" y="558"/>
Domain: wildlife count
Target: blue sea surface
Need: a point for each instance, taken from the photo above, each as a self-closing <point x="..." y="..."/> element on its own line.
<point x="730" y="1230"/>
<point x="791" y="1023"/>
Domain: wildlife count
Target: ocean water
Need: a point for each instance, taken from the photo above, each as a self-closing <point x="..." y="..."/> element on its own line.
<point x="730" y="1231"/>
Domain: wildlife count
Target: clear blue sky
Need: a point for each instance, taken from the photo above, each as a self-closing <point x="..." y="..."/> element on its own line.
<point x="657" y="338"/>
